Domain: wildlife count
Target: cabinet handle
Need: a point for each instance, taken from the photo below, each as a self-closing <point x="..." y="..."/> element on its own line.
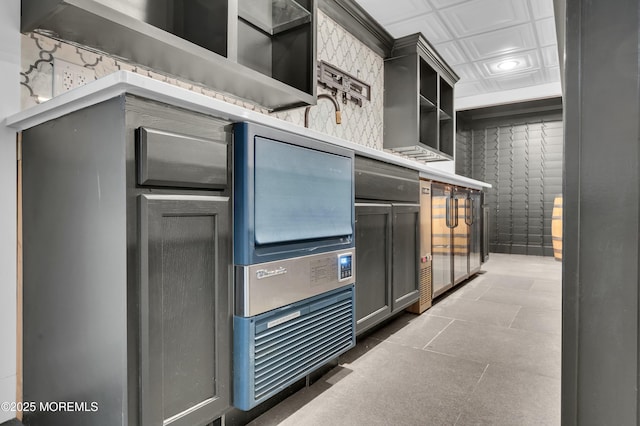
<point x="452" y="212"/>
<point x="456" y="210"/>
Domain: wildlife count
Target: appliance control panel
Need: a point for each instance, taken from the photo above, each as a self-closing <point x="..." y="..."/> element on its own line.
<point x="345" y="270"/>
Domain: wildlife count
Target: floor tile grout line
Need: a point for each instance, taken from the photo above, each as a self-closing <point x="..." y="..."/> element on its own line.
<point x="515" y="316"/>
<point x="507" y="364"/>
<point x="439" y="333"/>
<point x="453" y="356"/>
<point x="475" y="386"/>
<point x="436" y="316"/>
<point x="489" y="287"/>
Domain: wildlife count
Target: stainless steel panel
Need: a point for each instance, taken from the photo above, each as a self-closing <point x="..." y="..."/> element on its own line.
<point x="441" y="239"/>
<point x="425" y="221"/>
<point x="171" y="159"/>
<point x="425" y="255"/>
<point x="475" y="219"/>
<point x="266" y="286"/>
<point x="460" y="232"/>
<point x="485" y="232"/>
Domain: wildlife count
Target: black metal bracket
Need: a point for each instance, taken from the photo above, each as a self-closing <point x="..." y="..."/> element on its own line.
<point x="336" y="80"/>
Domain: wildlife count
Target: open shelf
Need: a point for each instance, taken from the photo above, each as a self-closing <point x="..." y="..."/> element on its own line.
<point x="444" y="115"/>
<point x="446" y="135"/>
<point x="274" y="16"/>
<point x="275" y="38"/>
<point x="263" y="51"/>
<point x="426" y="103"/>
<point x="428" y="82"/>
<point x="446" y="97"/>
<point x="419" y="112"/>
<point x="428" y="127"/>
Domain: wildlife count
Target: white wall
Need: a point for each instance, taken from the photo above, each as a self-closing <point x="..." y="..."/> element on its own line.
<point x="9" y="104"/>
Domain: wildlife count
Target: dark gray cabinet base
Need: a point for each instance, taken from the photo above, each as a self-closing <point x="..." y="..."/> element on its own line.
<point x="373" y="264"/>
<point x="126" y="286"/>
<point x="406" y="254"/>
<point x="182" y="261"/>
<point x="387" y="240"/>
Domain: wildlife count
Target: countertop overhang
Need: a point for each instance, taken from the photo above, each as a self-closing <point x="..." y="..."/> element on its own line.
<point x="125" y="82"/>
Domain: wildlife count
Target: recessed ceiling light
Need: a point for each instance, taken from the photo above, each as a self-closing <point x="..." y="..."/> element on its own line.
<point x="507" y="65"/>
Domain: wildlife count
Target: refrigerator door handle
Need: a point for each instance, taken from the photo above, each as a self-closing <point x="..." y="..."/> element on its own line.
<point x="455" y="224"/>
<point x="468" y="208"/>
<point x="448" y="221"/>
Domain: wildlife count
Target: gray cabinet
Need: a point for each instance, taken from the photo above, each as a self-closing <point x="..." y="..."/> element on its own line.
<point x="262" y="50"/>
<point x="406" y="233"/>
<point x="127" y="290"/>
<point x="387" y="239"/>
<point x="373" y="242"/>
<point x="183" y="268"/>
<point x="419" y="115"/>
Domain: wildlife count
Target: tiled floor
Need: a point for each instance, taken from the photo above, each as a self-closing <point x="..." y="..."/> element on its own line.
<point x="489" y="353"/>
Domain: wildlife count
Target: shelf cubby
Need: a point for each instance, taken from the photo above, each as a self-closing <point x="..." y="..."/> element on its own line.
<point x="419" y="102"/>
<point x="275" y="38"/>
<point x="263" y="50"/>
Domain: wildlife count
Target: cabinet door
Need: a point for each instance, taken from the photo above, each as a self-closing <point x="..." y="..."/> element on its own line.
<point x="373" y="264"/>
<point x="460" y="236"/>
<point x="185" y="311"/>
<point x="405" y="287"/>
<point x="441" y="238"/>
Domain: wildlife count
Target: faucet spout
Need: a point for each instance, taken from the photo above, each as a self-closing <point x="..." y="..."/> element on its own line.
<point x="336" y="105"/>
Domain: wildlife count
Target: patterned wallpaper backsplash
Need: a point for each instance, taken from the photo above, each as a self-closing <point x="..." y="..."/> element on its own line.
<point x="335" y="45"/>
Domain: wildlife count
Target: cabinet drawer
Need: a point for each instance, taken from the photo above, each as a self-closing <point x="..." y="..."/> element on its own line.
<point x="171" y="159"/>
<point x="376" y="180"/>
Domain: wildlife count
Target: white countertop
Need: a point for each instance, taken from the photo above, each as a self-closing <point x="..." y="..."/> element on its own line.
<point x="123" y="82"/>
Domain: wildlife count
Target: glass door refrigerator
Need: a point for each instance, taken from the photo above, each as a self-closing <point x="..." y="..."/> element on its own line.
<point x="442" y="221"/>
<point x="460" y="231"/>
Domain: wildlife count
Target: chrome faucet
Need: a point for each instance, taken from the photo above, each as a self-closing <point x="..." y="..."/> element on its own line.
<point x="335" y="104"/>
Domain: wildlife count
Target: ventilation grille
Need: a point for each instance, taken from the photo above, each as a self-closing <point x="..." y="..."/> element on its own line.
<point x="425" y="287"/>
<point x="425" y="291"/>
<point x="290" y="343"/>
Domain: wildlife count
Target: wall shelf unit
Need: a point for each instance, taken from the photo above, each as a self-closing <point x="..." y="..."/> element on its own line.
<point x="264" y="51"/>
<point x="419" y="117"/>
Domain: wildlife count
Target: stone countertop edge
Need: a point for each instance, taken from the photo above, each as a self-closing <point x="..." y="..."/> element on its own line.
<point x="122" y="82"/>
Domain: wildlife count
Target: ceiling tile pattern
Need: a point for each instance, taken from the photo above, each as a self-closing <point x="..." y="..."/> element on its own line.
<point x="499" y="42"/>
<point x="402" y="11"/>
<point x="480" y="16"/>
<point x="428" y="24"/>
<point x="476" y="36"/>
<point x="526" y="63"/>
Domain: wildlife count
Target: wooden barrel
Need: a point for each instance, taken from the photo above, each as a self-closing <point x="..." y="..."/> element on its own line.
<point x="556" y="227"/>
